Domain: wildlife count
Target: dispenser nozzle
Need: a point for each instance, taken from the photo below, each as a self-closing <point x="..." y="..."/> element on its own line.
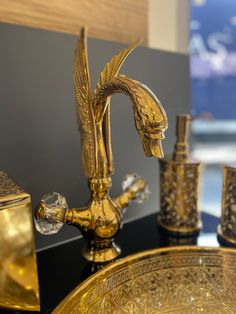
<point x="181" y="151"/>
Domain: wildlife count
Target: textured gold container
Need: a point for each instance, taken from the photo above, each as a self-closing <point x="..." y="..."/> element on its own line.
<point x="179" y="186"/>
<point x="19" y="288"/>
<point x="227" y="227"/>
<point x="172" y="280"/>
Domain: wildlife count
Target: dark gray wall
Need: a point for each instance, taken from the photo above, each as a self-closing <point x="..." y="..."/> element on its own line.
<point x="39" y="142"/>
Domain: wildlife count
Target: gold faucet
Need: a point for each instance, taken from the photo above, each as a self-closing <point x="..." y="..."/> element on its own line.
<point x="100" y="220"/>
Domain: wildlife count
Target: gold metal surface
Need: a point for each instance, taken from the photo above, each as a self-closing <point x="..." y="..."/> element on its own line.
<point x="171" y="280"/>
<point x="18" y="270"/>
<point x="101" y="219"/>
<point x="179" y="186"/>
<point x="227" y="227"/>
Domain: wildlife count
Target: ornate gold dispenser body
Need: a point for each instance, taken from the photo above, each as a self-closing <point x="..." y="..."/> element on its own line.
<point x="100" y="220"/>
<point x="227" y="227"/>
<point x="18" y="269"/>
<point x="179" y="186"/>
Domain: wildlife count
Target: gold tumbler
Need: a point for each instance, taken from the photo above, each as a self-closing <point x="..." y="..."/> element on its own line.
<point x="19" y="288"/>
<point x="227" y="227"/>
<point x="179" y="186"/>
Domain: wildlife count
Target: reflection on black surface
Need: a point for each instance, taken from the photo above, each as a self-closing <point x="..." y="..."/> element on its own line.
<point x="92" y="268"/>
<point x="168" y="239"/>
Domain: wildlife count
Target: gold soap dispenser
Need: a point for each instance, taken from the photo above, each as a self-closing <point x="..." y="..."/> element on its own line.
<point x="179" y="186"/>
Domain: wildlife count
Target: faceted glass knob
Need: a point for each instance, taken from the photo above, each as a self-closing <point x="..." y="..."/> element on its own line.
<point x="50" y="215"/>
<point x="137" y="185"/>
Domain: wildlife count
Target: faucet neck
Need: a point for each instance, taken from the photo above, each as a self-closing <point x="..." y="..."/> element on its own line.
<point x="99" y="187"/>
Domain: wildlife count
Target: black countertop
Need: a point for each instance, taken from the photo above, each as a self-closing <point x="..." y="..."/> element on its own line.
<point x="62" y="268"/>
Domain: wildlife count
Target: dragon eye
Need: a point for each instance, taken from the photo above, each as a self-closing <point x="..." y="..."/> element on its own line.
<point x="159" y="125"/>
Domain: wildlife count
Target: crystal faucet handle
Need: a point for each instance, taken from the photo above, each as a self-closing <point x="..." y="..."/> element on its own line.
<point x="50" y="214"/>
<point x="137" y="186"/>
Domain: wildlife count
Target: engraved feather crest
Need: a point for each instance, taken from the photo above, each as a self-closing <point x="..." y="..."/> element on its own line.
<point x="112" y="68"/>
<point x="84" y="107"/>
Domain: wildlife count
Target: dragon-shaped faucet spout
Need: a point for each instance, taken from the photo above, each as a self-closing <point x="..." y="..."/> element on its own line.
<point x="100" y="220"/>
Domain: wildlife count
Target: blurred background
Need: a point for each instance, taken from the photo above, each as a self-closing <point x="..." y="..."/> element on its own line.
<point x="212" y="48"/>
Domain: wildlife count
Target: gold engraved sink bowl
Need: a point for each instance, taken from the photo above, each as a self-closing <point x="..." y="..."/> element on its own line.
<point x="171" y="280"/>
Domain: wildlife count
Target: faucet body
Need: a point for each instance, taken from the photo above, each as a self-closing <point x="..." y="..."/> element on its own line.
<point x="101" y="219"/>
<point x="99" y="223"/>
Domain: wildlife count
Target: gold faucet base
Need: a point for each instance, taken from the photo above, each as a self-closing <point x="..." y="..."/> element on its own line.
<point x="101" y="254"/>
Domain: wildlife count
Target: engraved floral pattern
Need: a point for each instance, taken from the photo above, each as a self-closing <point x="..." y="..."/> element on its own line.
<point x="179" y="194"/>
<point x="228" y="217"/>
